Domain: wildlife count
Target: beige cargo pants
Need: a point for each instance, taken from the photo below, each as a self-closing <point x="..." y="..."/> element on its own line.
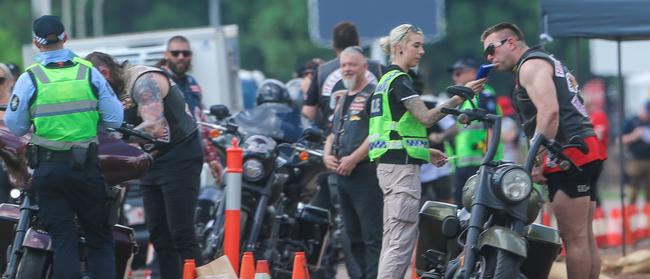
<point x="401" y="187"/>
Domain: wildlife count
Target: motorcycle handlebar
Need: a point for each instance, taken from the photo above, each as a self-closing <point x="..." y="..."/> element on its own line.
<point x="466" y="116"/>
<point x="130" y="131"/>
<point x="301" y="148"/>
<point x="554" y="148"/>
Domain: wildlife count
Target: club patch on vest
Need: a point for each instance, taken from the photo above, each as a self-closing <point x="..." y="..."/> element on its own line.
<point x="15" y="101"/>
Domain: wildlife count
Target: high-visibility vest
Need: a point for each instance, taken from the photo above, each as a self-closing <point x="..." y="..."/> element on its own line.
<point x="471" y="141"/>
<point x="64" y="106"/>
<point x="412" y="134"/>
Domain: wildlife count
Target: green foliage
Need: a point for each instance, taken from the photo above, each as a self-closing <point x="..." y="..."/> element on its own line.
<point x="15" y="29"/>
<point x="273" y="35"/>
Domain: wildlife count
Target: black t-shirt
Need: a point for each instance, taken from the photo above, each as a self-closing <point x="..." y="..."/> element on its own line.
<point x="401" y="89"/>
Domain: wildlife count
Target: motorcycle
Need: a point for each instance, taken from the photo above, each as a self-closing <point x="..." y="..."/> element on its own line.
<point x="494" y="235"/>
<point x="30" y="253"/>
<point x="276" y="221"/>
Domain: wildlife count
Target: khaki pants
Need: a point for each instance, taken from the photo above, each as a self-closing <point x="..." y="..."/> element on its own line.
<point x="401" y="187"/>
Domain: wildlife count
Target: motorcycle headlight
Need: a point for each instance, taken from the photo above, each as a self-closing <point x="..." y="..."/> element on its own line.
<point x="515" y="184"/>
<point x="253" y="170"/>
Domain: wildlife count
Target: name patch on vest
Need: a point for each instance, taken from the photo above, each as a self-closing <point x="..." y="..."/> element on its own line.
<point x="375" y="105"/>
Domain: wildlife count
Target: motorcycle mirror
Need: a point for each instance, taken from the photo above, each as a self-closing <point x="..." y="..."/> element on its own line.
<point x="461" y="91"/>
<point x="219" y="111"/>
<point x="313" y="134"/>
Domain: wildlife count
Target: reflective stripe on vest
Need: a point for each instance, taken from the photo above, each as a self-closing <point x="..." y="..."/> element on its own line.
<point x="412" y="133"/>
<point x="64" y="107"/>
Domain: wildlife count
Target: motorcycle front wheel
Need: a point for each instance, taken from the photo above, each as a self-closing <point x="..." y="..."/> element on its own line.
<point x="34" y="264"/>
<point x="496" y="263"/>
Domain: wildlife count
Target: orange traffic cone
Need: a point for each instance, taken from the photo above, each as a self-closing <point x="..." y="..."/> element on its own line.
<point x="646" y="213"/>
<point x="189" y="269"/>
<point x="599" y="226"/>
<point x="247" y="270"/>
<point x="262" y="271"/>
<point x="639" y="225"/>
<point x="630" y="212"/>
<point x="300" y="269"/>
<point x="614" y="233"/>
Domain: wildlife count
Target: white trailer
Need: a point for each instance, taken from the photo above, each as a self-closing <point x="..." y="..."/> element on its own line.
<point x="215" y="62"/>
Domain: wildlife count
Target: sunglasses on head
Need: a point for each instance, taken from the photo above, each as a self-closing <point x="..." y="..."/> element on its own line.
<point x="411" y="28"/>
<point x="489" y="50"/>
<point x="176" y="53"/>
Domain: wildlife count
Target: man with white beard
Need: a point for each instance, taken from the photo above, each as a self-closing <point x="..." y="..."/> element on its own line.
<point x="346" y="154"/>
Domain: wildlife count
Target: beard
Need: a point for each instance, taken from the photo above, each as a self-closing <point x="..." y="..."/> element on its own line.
<point x="179" y="68"/>
<point x="349" y="83"/>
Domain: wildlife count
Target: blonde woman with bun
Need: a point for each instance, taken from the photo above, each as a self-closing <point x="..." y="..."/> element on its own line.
<point x="399" y="145"/>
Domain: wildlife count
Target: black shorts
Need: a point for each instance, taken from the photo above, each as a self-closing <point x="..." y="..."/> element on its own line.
<point x="575" y="183"/>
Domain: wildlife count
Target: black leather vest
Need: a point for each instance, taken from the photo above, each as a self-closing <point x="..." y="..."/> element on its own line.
<point x="176" y="112"/>
<point x="351" y="129"/>
<point x="573" y="114"/>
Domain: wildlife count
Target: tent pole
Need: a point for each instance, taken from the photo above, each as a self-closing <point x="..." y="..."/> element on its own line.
<point x="621" y="121"/>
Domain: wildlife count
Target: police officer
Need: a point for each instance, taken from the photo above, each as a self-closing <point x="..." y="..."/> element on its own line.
<point x="398" y="142"/>
<point x="346" y="154"/>
<point x="170" y="188"/>
<point x="471" y="140"/>
<point x="65" y="99"/>
<point x="547" y="98"/>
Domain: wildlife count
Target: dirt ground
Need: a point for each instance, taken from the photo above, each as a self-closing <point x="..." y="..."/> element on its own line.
<point x="608" y="254"/>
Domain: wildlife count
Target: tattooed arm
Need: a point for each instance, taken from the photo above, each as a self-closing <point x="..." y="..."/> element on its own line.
<point x="148" y="92"/>
<point x="428" y="117"/>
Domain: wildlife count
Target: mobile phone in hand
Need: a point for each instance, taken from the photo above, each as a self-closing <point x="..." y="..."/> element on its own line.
<point x="484" y="70"/>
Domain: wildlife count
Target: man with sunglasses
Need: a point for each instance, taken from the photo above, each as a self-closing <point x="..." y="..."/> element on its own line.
<point x="548" y="101"/>
<point x="176" y="63"/>
<point x="470" y="141"/>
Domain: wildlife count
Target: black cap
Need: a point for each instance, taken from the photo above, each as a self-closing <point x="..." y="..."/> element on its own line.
<point x="48" y="29"/>
<point x="465" y="63"/>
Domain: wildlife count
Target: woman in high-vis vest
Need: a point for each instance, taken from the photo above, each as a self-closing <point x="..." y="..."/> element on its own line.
<point x="398" y="143"/>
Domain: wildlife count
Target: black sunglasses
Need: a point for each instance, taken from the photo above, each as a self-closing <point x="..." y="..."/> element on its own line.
<point x="489" y="50"/>
<point x="186" y="53"/>
<point x="2" y="80"/>
<point x="411" y="28"/>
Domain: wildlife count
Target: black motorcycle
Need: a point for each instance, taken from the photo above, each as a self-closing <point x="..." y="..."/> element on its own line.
<point x="30" y="252"/>
<point x="276" y="219"/>
<point x="492" y="236"/>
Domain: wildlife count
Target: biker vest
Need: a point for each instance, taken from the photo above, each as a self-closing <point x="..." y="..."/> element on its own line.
<point x="351" y="129"/>
<point x="176" y="112"/>
<point x="412" y="135"/>
<point x="64" y="106"/>
<point x="573" y="114"/>
<point x="471" y="140"/>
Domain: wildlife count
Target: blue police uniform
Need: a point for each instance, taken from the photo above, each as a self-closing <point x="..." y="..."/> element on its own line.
<point x="64" y="191"/>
